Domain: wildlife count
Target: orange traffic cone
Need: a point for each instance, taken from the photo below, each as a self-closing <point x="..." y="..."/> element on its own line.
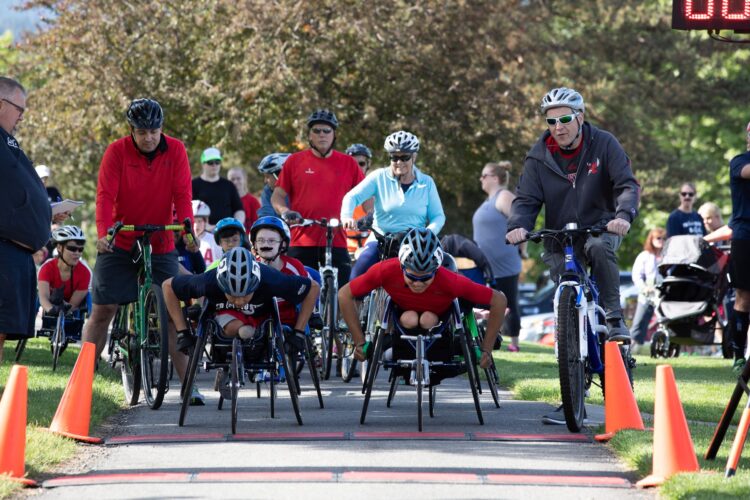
<point x="13" y="426"/>
<point x="620" y="408"/>
<point x="673" y="447"/>
<point x="74" y="412"/>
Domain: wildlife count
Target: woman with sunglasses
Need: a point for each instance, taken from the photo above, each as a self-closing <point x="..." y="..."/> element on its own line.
<point x="404" y="198"/>
<point x="422" y="291"/>
<point x="645" y="272"/>
<point x="65" y="280"/>
<point x="683" y="219"/>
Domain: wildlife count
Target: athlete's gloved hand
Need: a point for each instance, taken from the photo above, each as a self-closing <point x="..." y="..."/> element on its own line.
<point x="290" y="216"/>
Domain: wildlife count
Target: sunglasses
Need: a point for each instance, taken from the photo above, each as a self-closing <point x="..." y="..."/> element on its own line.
<point x="403" y="158"/>
<point x="213" y="162"/>
<point x="411" y="277"/>
<point x="564" y="119"/>
<point x="322" y="130"/>
<point x="20" y="109"/>
<point x="687" y="195"/>
<point x="362" y="163"/>
<point x="74" y="249"/>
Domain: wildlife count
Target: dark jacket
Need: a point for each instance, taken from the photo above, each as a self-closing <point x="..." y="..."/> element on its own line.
<point x="25" y="212"/>
<point x="604" y="188"/>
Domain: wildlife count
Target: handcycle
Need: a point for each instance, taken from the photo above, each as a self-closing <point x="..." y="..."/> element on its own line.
<point x="581" y="329"/>
<point x="331" y="333"/>
<point x="139" y="338"/>
<point x="247" y="359"/>
<point x="420" y="367"/>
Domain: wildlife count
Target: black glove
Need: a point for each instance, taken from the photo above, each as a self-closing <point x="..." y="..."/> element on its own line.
<point x="54" y="310"/>
<point x="296" y="340"/>
<point x="365" y="223"/>
<point x="291" y="216"/>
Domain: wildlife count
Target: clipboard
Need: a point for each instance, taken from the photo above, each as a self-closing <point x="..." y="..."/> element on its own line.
<point x="65" y="206"/>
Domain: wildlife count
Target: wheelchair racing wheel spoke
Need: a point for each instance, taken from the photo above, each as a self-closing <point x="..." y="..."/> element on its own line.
<point x="310" y="353"/>
<point x="371" y="375"/>
<point x="464" y="337"/>
<point x="193" y="362"/>
<point x="57" y="339"/>
<point x="235" y="367"/>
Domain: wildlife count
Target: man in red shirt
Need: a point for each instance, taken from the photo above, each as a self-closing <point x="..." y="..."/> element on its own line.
<point x="316" y="180"/>
<point x="141" y="178"/>
<point x="422" y="291"/>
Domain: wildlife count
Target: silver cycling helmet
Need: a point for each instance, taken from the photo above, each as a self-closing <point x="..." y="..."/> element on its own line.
<point x="402" y="141"/>
<point x="273" y="163"/>
<point x="420" y="251"/>
<point x="238" y="273"/>
<point x="68" y="233"/>
<point x="563" y="97"/>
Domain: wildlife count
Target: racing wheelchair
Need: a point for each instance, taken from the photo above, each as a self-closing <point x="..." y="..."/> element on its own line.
<point x="272" y="352"/>
<point x="412" y="360"/>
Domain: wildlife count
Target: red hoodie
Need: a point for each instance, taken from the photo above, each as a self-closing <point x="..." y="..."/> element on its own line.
<point x="136" y="190"/>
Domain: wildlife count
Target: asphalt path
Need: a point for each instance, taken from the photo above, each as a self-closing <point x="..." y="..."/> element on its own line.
<point x="512" y="455"/>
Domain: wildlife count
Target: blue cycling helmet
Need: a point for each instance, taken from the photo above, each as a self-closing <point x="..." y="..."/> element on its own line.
<point x="145" y="114"/>
<point x="227" y="225"/>
<point x="359" y="150"/>
<point x="420" y="251"/>
<point x="238" y="273"/>
<point x="272" y="163"/>
<point x="274" y="223"/>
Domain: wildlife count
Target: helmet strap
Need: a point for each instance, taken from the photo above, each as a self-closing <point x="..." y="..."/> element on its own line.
<point x="327" y="152"/>
<point x="570" y="147"/>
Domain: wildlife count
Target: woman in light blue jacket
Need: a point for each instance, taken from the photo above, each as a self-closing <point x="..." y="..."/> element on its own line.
<point x="404" y="197"/>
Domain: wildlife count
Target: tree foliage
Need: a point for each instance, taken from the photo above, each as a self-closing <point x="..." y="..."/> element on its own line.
<point x="465" y="76"/>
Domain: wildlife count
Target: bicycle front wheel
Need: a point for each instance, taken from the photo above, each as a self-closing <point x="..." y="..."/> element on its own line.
<point x="126" y="352"/>
<point x="155" y="348"/>
<point x="330" y="324"/>
<point x="571" y="367"/>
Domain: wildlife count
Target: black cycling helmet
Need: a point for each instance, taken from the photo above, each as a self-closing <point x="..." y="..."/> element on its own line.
<point x="238" y="273"/>
<point x="145" y="114"/>
<point x="359" y="150"/>
<point x="322" y="116"/>
<point x="420" y="251"/>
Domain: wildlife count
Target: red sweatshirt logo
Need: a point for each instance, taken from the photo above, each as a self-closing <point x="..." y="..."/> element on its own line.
<point x="594" y="167"/>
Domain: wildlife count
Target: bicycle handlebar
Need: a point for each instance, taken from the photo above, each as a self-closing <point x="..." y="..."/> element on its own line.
<point x="186" y="226"/>
<point x="323" y="222"/>
<point x="537" y="236"/>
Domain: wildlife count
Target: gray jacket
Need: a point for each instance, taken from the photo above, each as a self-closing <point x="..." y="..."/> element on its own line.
<point x="604" y="188"/>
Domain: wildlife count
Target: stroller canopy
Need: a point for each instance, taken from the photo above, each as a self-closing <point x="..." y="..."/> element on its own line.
<point x="689" y="250"/>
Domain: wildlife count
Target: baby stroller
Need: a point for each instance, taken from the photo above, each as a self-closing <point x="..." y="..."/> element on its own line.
<point x="690" y="304"/>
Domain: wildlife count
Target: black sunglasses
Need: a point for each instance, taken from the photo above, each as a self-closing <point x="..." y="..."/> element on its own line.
<point x="73" y="248"/>
<point x="688" y="195"/>
<point x="322" y="130"/>
<point x="362" y="163"/>
<point x="213" y="162"/>
<point x="403" y="158"/>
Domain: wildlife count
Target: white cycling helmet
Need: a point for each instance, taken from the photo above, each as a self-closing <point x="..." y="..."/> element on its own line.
<point x="201" y="209"/>
<point x="563" y="97"/>
<point x="68" y="233"/>
<point x="402" y="141"/>
<point x="238" y="273"/>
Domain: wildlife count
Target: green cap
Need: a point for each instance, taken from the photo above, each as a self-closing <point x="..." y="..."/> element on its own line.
<point x="210" y="154"/>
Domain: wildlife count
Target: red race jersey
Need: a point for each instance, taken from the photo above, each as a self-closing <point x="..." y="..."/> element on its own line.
<point x="437" y="298"/>
<point x="251" y="206"/>
<point x="316" y="187"/>
<point x="135" y="190"/>
<point x="79" y="280"/>
<point x="292" y="266"/>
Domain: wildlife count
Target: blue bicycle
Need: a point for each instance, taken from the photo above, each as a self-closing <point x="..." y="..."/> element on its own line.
<point x="581" y="329"/>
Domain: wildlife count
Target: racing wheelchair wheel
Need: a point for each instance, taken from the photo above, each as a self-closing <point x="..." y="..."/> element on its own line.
<point x="209" y="328"/>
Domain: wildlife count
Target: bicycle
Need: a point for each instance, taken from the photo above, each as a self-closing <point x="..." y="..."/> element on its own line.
<point x="373" y="305"/>
<point x="581" y="330"/>
<point x="139" y="339"/>
<point x="329" y="301"/>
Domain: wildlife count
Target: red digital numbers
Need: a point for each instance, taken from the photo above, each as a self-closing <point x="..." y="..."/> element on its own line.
<point x="711" y="15"/>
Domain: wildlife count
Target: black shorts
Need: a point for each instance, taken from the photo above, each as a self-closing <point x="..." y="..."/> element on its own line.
<point x="739" y="266"/>
<point x="18" y="295"/>
<point x="116" y="276"/>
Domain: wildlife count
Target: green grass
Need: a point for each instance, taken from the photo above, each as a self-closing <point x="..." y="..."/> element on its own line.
<point x="704" y="385"/>
<point x="44" y="450"/>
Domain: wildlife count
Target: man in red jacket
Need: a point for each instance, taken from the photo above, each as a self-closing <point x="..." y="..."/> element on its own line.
<point x="141" y="177"/>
